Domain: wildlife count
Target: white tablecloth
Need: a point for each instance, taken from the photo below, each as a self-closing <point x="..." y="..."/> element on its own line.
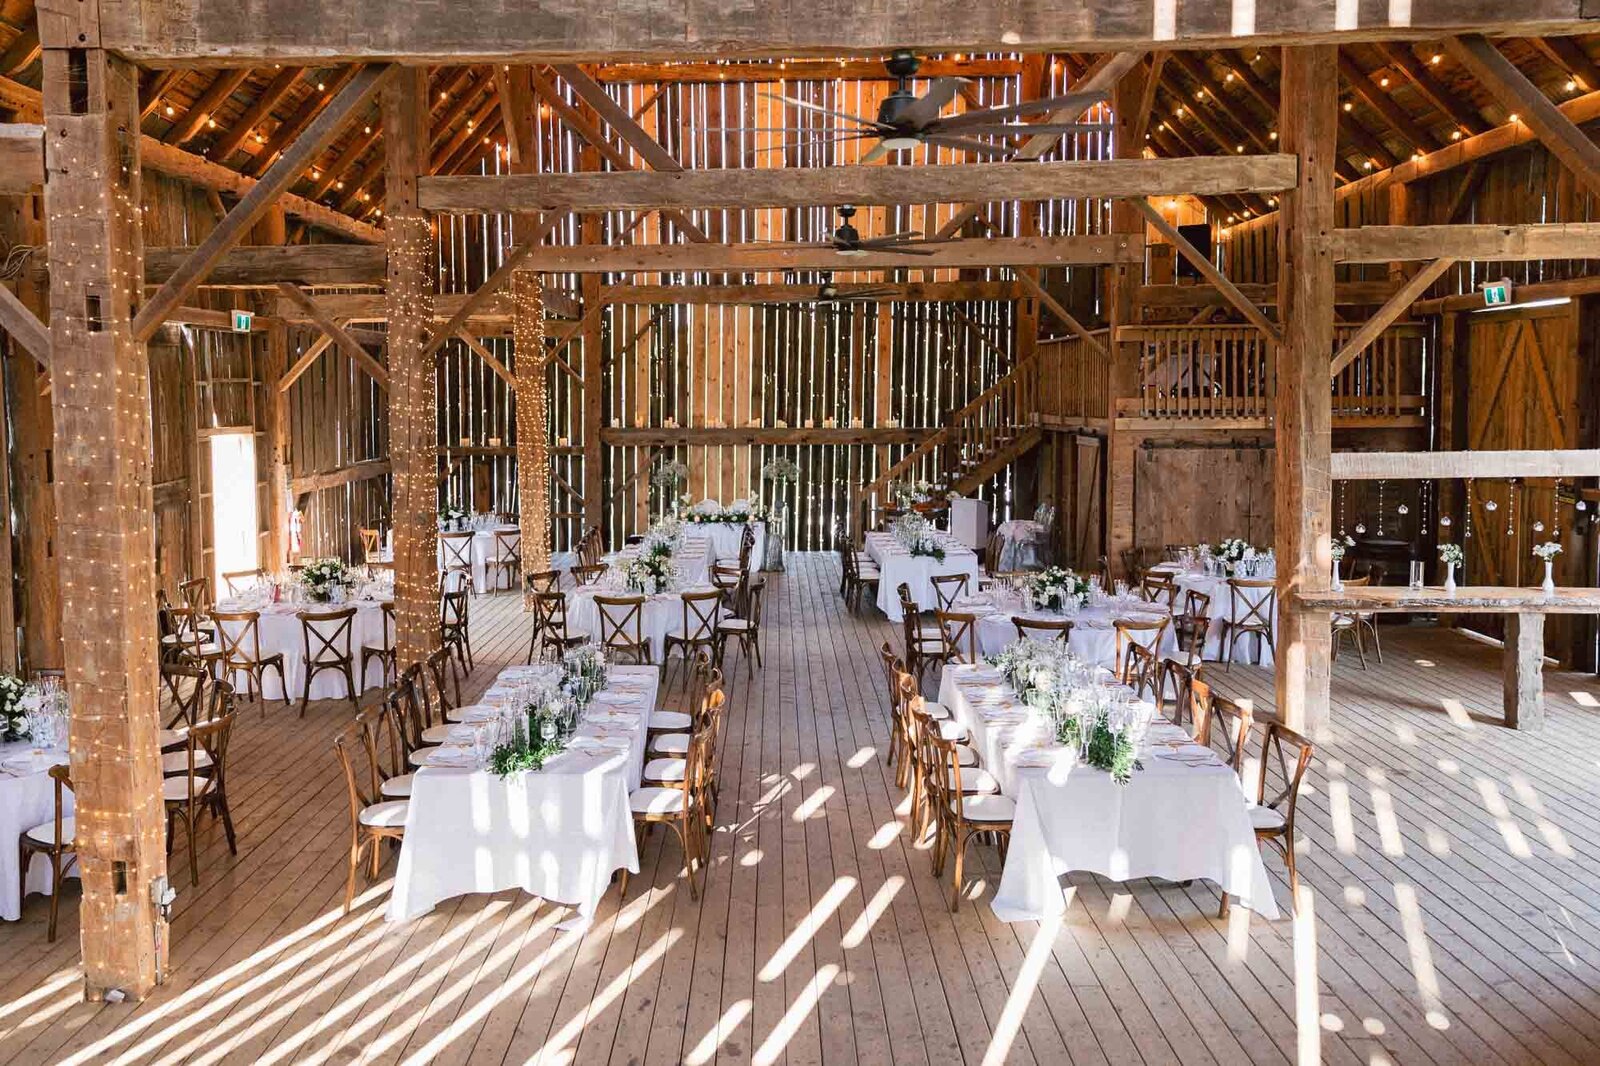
<point x="663" y="615"/>
<point x="484" y="553"/>
<point x="280" y="632"/>
<point x="1093" y="639"/>
<point x="897" y="566"/>
<point x="723" y="539"/>
<point x="1221" y="610"/>
<point x="558" y="833"/>
<point x="24" y="803"/>
<point x="1172" y="820"/>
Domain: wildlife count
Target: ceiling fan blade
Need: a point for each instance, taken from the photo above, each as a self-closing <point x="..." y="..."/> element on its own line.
<point x="904" y="249"/>
<point x="968" y="144"/>
<point x="809" y="106"/>
<point x="904" y="235"/>
<point x="840" y="139"/>
<point x="1024" y="129"/>
<point x="1079" y="101"/>
<point x="879" y="150"/>
<point x="926" y="108"/>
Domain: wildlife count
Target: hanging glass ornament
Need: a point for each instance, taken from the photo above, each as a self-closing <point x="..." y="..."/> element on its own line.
<point x="1538" y="527"/>
<point x="1582" y="505"/>
<point x="1444" y="520"/>
<point x="1490" y="506"/>
<point x="1361" y="527"/>
<point x="1402" y="510"/>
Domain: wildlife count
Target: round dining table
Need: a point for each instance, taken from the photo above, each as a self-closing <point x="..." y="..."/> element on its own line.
<point x="280" y="633"/>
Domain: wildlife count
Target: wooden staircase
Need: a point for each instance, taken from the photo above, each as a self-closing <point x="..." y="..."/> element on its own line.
<point x="976" y="442"/>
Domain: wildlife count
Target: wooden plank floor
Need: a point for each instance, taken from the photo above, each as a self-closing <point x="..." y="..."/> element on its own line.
<point x="1453" y="868"/>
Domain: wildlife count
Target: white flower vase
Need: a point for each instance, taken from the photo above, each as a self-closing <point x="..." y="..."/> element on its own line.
<point x="1338" y="582"/>
<point x="1549" y="585"/>
<point x="1450" y="578"/>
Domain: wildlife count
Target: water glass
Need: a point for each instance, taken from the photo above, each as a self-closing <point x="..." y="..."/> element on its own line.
<point x="1416" y="574"/>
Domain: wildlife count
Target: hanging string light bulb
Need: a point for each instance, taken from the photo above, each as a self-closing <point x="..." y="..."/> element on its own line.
<point x="1381" y="484"/>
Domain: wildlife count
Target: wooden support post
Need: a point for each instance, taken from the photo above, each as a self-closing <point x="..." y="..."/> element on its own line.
<point x="105" y="543"/>
<point x="277" y="419"/>
<point x="1122" y="377"/>
<point x="1524" y="671"/>
<point x="531" y="365"/>
<point x="1303" y="483"/>
<point x="413" y="433"/>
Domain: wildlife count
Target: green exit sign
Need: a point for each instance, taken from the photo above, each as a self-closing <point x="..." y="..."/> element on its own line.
<point x="242" y="320"/>
<point x="1496" y="293"/>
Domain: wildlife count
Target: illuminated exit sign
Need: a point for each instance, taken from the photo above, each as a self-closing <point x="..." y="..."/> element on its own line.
<point x="242" y="320"/>
<point x="1496" y="293"/>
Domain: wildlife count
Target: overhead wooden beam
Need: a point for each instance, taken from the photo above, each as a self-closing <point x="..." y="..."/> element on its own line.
<point x="1435" y="466"/>
<point x="1362" y="85"/>
<point x="259" y="110"/>
<point x="201" y="32"/>
<point x="617" y="117"/>
<point x="305" y="362"/>
<point x="22" y="51"/>
<point x="1551" y="240"/>
<point x="205" y="105"/>
<point x="833" y="186"/>
<point x="275" y="181"/>
<point x="795" y="70"/>
<point x="21" y="158"/>
<point x="1198" y="260"/>
<point x="875" y="292"/>
<point x="24" y="326"/>
<point x="264" y="266"/>
<point x="499" y="368"/>
<point x="1521" y="97"/>
<point x="1586" y="285"/>
<point x="1442" y="99"/>
<point x="673" y="258"/>
<point x="1347" y="293"/>
<point x="1570" y="56"/>
<point x="519" y="258"/>
<point x="1396" y="306"/>
<point x="511" y="102"/>
<point x="347" y="344"/>
<point x="1067" y="318"/>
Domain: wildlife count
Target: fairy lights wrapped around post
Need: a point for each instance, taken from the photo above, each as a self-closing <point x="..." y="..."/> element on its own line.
<point x="533" y="424"/>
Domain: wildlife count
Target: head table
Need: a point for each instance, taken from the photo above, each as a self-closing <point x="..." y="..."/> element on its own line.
<point x="559" y="832"/>
<point x="1182" y="815"/>
<point x="27" y="799"/>
<point x="897" y="566"/>
<point x="722" y="540"/>
<point x="280" y="633"/>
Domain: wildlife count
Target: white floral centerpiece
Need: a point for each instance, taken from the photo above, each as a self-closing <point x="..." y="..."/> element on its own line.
<point x="781" y="471"/>
<point x="452" y="517"/>
<point x="908" y="494"/>
<point x="648" y="574"/>
<point x="1450" y="555"/>
<point x="320" y="577"/>
<point x="1547" y="551"/>
<point x="1231" y="552"/>
<point x="669" y="475"/>
<point x="1056" y="587"/>
<point x="13" y="710"/>
<point x="754" y="513"/>
<point x="1340" y="546"/>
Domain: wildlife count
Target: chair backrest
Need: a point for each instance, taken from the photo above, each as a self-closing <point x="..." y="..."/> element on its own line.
<point x="588" y="573"/>
<point x="893" y="666"/>
<point x="371" y="544"/>
<point x="550" y="619"/>
<point x="755" y="590"/>
<point x="238" y="635"/>
<point x="1043" y="629"/>
<point x="62" y="777"/>
<point x="188" y="700"/>
<point x="1180" y="678"/>
<point x="441" y="668"/>
<point x="457" y="550"/>
<point x="453" y="609"/>
<point x="358" y="799"/>
<point x="947" y="588"/>
<point x="508" y="546"/>
<point x="1158" y="588"/>
<point x="326" y="634"/>
<point x="196" y="593"/>
<point x="375" y="729"/>
<point x="544" y="581"/>
<point x="960" y="630"/>
<point x="621" y="621"/>
<point x="1231" y="721"/>
<point x="210" y="737"/>
<point x="1138" y="631"/>
<point x="847" y="557"/>
<point x="747" y="543"/>
<point x="238" y="581"/>
<point x="415" y="704"/>
<point x="700" y="611"/>
<point x="1376" y="572"/>
<point x="1253" y="602"/>
<point x="387" y="607"/>
<point x="1281" y="745"/>
<point x="1141" y="669"/>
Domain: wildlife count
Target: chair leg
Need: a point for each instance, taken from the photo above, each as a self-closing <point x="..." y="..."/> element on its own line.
<point x="1377" y="648"/>
<point x="350" y="878"/>
<point x="22" y="870"/>
<point x="960" y="857"/>
<point x="350" y="687"/>
<point x="189" y="816"/>
<point x="227" y="820"/>
<point x="1361" y="651"/>
<point x="55" y="894"/>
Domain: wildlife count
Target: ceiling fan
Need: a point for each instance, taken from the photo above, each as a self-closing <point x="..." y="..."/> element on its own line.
<point x="830" y="295"/>
<point x="847" y="240"/>
<point x="906" y="121"/>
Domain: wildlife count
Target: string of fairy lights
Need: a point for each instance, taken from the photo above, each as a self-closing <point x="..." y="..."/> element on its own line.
<point x="532" y="413"/>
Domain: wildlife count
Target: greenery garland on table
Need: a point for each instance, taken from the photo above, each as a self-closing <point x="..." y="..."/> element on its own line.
<point x="927" y="545"/>
<point x="525" y="750"/>
<point x="1115" y="753"/>
<point x="756" y="513"/>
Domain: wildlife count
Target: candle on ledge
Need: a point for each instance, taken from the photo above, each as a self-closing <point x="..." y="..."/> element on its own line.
<point x="561" y="442"/>
<point x="494" y="442"/>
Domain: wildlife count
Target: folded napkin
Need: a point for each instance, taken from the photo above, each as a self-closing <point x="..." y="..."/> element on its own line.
<point x="1039" y="757"/>
<point x="451" y="757"/>
<point x="599" y="743"/>
<point x="464" y="731"/>
<point x="476" y="712"/>
<point x="602" y="716"/>
<point x="1196" y="756"/>
<point x="615" y="698"/>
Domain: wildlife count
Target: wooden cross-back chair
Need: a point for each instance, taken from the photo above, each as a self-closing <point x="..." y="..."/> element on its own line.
<point x="457" y="552"/>
<point x="237" y="582"/>
<point x="622" y="627"/>
<point x="1190" y="627"/>
<point x="965" y="803"/>
<point x="733" y="583"/>
<point x="1141" y="670"/>
<point x="679" y="807"/>
<point x="550" y="638"/>
<point x="371" y="545"/>
<point x="196" y="595"/>
<point x="589" y="573"/>
<point x="384" y="651"/>
<point x="1221" y="721"/>
<point x="947" y="588"/>
<point x="55" y="840"/>
<point x="1253" y="604"/>
<point x="960" y="631"/>
<point x="382" y="733"/>
<point x="202" y="786"/>
<point x="507" y="558"/>
<point x="898" y="756"/>
<point x="701" y="613"/>
<point x="325" y="636"/>
<point x="454" y="631"/>
<point x="743" y="626"/>
<point x="1043" y="629"/>
<point x="239" y="639"/>
<point x="186" y="689"/>
<point x="446" y="677"/>
<point x="924" y="644"/>
<point x="747" y="544"/>
<point x="1273" y="819"/>
<point x="372" y="821"/>
<point x="855" y="577"/>
<point x="1354" y="624"/>
<point x="1178" y="678"/>
<point x="1145" y="632"/>
<point x="1158" y="588"/>
<point x="542" y="581"/>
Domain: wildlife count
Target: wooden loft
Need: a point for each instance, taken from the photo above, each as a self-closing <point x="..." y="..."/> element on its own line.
<point x="486" y="243"/>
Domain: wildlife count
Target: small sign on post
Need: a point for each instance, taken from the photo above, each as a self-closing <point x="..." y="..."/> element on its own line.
<point x="1497" y="293"/>
<point x="242" y="320"/>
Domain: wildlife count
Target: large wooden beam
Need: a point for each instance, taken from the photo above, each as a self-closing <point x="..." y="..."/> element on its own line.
<point x="796" y="70"/>
<point x="533" y="424"/>
<point x="1040" y="293"/>
<point x="1347" y="293"/>
<point x="24" y="326"/>
<point x="275" y="181"/>
<point x="1521" y="97"/>
<point x="1303" y="426"/>
<point x="834" y="186"/>
<point x="1207" y="270"/>
<point x="212" y="32"/>
<point x="779" y="293"/>
<point x="21" y="158"/>
<point x="347" y="344"/>
<point x="105" y="537"/>
<point x="1437" y="466"/>
<point x="476" y="348"/>
<point x="1550" y="240"/>
<point x="673" y="258"/>
<point x="266" y="266"/>
<point x="1392" y="309"/>
<point x="413" y="413"/>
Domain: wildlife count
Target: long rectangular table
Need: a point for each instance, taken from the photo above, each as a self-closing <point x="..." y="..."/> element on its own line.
<point x="559" y="833"/>
<point x="1182" y="816"/>
<point x="1522" y="660"/>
